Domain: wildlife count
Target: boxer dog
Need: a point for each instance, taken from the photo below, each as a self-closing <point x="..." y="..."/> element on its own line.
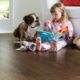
<point x="28" y="28"/>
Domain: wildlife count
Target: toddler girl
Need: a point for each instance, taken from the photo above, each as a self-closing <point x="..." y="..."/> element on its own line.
<point x="59" y="20"/>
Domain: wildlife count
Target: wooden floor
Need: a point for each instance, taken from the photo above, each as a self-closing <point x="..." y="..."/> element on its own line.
<point x="25" y="65"/>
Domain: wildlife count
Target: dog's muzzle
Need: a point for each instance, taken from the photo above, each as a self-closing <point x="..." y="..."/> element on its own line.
<point x="36" y="24"/>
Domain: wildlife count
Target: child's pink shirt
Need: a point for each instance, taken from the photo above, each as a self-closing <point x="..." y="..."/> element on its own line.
<point x="56" y="26"/>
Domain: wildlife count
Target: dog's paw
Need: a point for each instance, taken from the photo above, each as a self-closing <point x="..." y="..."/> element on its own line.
<point x="21" y="48"/>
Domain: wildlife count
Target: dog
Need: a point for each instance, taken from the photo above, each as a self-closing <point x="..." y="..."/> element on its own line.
<point x="26" y="30"/>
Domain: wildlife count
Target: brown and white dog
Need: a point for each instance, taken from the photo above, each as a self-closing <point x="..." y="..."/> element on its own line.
<point x="28" y="28"/>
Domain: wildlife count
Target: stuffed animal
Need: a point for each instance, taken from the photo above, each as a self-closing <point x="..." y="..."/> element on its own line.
<point x="27" y="46"/>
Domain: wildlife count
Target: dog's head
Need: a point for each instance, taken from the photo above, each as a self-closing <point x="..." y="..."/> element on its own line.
<point x="32" y="20"/>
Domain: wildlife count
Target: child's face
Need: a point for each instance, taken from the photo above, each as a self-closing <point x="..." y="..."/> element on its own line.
<point x="57" y="14"/>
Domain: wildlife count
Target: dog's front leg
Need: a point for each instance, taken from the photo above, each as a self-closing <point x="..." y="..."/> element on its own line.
<point x="22" y="36"/>
<point x="35" y="36"/>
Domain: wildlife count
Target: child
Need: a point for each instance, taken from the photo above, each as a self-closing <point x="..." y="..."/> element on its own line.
<point x="59" y="20"/>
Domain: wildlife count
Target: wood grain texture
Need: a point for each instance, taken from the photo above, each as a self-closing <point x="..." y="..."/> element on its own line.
<point x="26" y="65"/>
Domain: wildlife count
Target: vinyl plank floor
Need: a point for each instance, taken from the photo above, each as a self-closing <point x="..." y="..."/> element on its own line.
<point x="26" y="65"/>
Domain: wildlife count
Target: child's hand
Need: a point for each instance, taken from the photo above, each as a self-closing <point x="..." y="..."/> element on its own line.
<point x="48" y="26"/>
<point x="69" y="38"/>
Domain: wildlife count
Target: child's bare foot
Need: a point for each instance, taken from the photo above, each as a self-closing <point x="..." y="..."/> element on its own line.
<point x="38" y="43"/>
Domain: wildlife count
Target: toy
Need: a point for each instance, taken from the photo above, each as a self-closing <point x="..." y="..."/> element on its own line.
<point x="45" y="36"/>
<point x="27" y="46"/>
<point x="48" y="36"/>
<point x="63" y="30"/>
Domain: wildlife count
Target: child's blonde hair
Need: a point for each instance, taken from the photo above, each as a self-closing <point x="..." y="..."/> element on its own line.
<point x="64" y="16"/>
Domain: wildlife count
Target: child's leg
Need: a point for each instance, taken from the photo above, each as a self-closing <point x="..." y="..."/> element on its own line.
<point x="61" y="44"/>
<point x="53" y="46"/>
<point x="45" y="46"/>
<point x="48" y="26"/>
<point x="56" y="46"/>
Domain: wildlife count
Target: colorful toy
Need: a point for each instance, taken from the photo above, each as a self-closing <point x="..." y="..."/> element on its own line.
<point x="27" y="46"/>
<point x="48" y="36"/>
<point x="63" y="30"/>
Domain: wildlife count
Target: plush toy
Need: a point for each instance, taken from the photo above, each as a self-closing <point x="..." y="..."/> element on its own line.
<point x="27" y="46"/>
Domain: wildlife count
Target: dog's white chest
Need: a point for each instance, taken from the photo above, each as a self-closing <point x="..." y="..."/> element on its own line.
<point x="31" y="31"/>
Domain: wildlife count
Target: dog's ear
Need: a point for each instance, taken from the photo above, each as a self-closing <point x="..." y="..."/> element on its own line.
<point x="28" y="19"/>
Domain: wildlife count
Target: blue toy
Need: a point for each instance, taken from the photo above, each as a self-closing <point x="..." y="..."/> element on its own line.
<point x="48" y="36"/>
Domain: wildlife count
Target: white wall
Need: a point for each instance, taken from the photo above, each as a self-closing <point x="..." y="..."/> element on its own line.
<point x="19" y="8"/>
<point x="23" y="7"/>
<point x="74" y="13"/>
<point x="46" y="8"/>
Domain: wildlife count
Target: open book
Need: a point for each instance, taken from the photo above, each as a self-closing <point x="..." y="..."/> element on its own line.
<point x="48" y="36"/>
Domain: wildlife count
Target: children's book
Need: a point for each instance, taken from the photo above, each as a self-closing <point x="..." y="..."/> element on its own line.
<point x="48" y="36"/>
